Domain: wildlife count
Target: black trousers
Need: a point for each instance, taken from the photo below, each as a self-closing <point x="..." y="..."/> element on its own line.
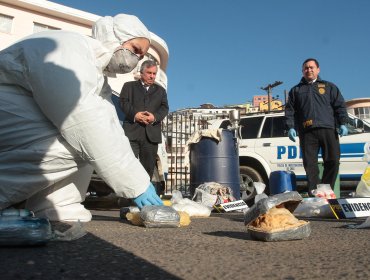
<point x="146" y="152"/>
<point x="311" y="142"/>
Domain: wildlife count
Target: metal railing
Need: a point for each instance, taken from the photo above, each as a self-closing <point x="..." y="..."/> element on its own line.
<point x="177" y="129"/>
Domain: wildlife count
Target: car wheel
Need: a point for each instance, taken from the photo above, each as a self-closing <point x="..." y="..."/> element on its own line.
<point x="248" y="176"/>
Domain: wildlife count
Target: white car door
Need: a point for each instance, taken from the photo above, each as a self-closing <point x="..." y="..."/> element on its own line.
<point x="352" y="164"/>
<point x="274" y="145"/>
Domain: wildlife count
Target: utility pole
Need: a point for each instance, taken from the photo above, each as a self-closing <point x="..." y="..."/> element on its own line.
<point x="268" y="88"/>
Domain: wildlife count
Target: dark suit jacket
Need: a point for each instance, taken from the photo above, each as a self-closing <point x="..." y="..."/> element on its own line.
<point x="134" y="98"/>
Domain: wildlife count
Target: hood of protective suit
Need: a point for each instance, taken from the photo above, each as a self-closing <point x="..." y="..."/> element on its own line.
<point x="113" y="31"/>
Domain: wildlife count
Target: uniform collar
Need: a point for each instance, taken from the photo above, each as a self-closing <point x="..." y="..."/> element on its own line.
<point x="303" y="81"/>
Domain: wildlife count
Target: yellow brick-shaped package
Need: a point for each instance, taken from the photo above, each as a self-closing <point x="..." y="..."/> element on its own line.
<point x="136" y="219"/>
<point x="155" y="216"/>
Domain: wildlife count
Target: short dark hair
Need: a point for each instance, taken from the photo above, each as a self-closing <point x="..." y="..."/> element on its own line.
<point x="146" y="64"/>
<point x="311" y="59"/>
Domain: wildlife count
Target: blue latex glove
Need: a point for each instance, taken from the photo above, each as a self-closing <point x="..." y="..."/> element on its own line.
<point x="292" y="134"/>
<point x="149" y="197"/>
<point x="343" y="131"/>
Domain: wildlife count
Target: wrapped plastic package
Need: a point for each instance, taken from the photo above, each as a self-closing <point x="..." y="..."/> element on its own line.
<point x="125" y="210"/>
<point x="324" y="191"/>
<point x="194" y="209"/>
<point x="314" y="207"/>
<point x="260" y="188"/>
<point x="271" y="219"/>
<point x="19" y="227"/>
<point x="75" y="232"/>
<point x="135" y="219"/>
<point x="184" y="219"/>
<point x="212" y="193"/>
<point x="159" y="216"/>
<point x="363" y="187"/>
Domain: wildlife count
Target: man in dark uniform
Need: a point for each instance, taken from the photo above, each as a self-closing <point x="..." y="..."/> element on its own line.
<point x="145" y="105"/>
<point x="316" y="108"/>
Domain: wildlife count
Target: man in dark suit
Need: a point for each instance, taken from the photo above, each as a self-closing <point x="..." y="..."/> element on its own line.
<point x="145" y="105"/>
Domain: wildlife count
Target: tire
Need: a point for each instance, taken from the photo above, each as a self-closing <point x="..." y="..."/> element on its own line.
<point x="248" y="176"/>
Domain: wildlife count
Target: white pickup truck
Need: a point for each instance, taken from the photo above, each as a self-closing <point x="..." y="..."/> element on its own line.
<point x="264" y="147"/>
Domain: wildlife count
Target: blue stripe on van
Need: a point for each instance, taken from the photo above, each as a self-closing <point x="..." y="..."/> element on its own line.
<point x="351" y="177"/>
<point x="354" y="150"/>
<point x="345" y="177"/>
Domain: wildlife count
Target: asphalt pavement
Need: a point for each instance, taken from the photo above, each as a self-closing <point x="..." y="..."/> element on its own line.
<point x="217" y="247"/>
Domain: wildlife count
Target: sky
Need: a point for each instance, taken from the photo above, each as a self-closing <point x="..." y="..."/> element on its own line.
<point x="223" y="51"/>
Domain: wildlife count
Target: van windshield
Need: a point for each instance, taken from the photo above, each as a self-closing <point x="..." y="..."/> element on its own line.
<point x="357" y="126"/>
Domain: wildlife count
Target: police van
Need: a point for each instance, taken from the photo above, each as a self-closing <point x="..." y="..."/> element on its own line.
<point x="264" y="147"/>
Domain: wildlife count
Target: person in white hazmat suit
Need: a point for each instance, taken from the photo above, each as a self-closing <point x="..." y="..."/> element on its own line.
<point x="58" y="123"/>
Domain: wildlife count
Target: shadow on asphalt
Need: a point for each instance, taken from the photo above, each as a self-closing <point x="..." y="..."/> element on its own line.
<point x="110" y="219"/>
<point x="105" y="218"/>
<point x="230" y="234"/>
<point x="235" y="216"/>
<point x="89" y="257"/>
<point x="331" y="219"/>
<point x="351" y="228"/>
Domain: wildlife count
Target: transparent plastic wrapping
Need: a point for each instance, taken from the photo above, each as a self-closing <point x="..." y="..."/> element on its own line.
<point x="19" y="227"/>
<point x="212" y="193"/>
<point x="192" y="208"/>
<point x="314" y="207"/>
<point x="129" y="209"/>
<point x="363" y="187"/>
<point x="135" y="219"/>
<point x="75" y="232"/>
<point x="159" y="216"/>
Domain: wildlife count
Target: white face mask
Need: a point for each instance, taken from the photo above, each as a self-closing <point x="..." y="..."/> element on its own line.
<point x="123" y="61"/>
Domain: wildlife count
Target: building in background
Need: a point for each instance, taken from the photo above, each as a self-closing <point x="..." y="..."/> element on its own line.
<point x="360" y="107"/>
<point x="20" y="18"/>
<point x="275" y="105"/>
<point x="257" y="99"/>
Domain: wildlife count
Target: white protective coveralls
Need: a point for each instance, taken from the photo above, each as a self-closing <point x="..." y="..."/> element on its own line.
<point x="58" y="123"/>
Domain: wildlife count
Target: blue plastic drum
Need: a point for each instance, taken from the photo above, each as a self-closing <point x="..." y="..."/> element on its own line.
<point x="213" y="161"/>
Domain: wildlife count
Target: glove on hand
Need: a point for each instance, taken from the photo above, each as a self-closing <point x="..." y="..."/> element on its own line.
<point x="343" y="131"/>
<point x="292" y="134"/>
<point x="149" y="197"/>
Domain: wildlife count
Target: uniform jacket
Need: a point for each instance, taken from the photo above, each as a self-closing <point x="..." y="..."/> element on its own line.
<point x="134" y="98"/>
<point x="316" y="105"/>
